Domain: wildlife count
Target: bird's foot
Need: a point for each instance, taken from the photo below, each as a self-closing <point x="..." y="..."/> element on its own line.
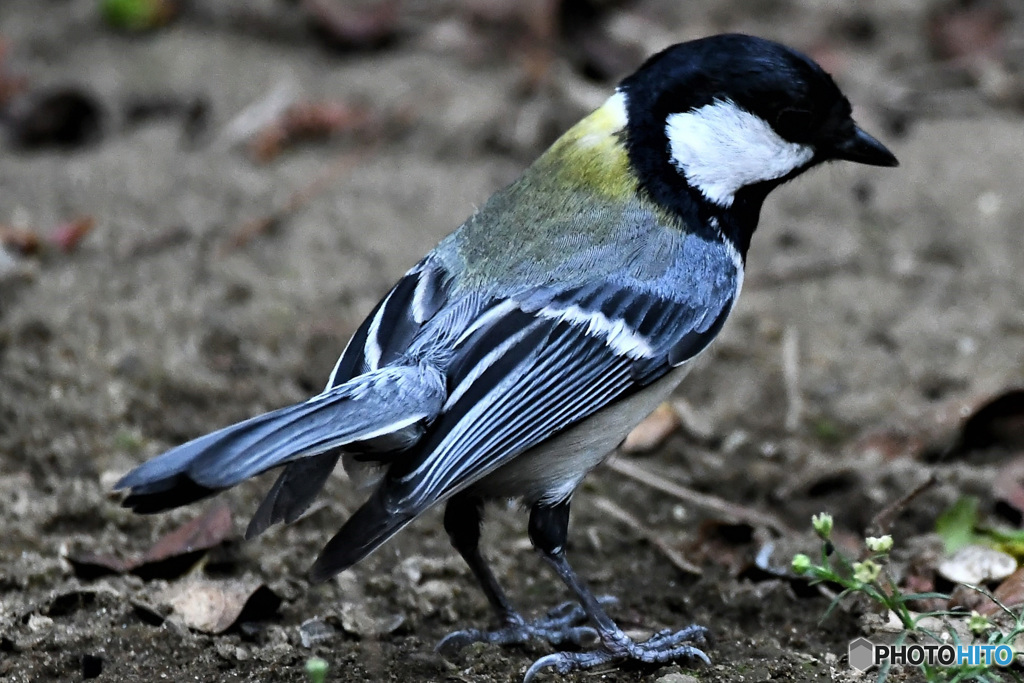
<point x="565" y="624"/>
<point x="661" y="648"/>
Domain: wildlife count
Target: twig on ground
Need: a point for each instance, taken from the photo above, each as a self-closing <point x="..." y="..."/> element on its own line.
<point x="663" y="546"/>
<point x="756" y="518"/>
<point x="255" y="227"/>
<point x="882" y="522"/>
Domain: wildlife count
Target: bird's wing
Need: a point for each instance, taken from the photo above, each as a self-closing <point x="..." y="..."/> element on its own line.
<point x="526" y="369"/>
<point x="394" y="323"/>
<point x="382" y="338"/>
<point x="532" y="366"/>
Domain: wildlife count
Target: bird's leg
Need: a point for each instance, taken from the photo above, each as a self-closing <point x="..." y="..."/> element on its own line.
<point x="462" y="519"/>
<point x="549" y="527"/>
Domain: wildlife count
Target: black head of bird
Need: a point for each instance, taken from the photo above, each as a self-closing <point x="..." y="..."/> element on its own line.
<point x="716" y="124"/>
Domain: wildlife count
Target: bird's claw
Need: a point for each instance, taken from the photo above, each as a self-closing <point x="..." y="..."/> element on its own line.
<point x="561" y="625"/>
<point x="661" y="648"/>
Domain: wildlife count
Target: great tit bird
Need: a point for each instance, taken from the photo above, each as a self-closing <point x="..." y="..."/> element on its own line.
<point x="518" y="354"/>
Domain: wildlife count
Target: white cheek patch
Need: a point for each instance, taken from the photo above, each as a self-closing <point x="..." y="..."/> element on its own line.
<point x="721" y="148"/>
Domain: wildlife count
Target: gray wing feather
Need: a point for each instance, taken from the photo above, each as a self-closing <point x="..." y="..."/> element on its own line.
<point x="382" y="338"/>
<point x="518" y="378"/>
<point x="564" y="355"/>
<point x="367" y="407"/>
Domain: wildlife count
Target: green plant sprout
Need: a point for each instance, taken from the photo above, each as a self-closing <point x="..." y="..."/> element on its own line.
<point x="870" y="578"/>
<point x="316" y="670"/>
<point x="865" y="576"/>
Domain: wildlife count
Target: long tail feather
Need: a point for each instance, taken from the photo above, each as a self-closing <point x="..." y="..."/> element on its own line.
<point x="365" y="531"/>
<point x="293" y="492"/>
<point x="367" y="407"/>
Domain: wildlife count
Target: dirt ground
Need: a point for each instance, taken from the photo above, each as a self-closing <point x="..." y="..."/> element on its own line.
<point x="880" y="305"/>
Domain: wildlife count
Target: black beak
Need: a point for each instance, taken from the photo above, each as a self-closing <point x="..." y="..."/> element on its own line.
<point x="861" y="148"/>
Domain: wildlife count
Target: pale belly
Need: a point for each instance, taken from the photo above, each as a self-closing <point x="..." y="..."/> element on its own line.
<point x="549" y="473"/>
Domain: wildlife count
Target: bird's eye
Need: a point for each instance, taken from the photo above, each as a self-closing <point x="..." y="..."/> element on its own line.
<point x="796" y="125"/>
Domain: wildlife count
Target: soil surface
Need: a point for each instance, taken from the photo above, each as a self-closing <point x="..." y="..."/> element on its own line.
<point x="880" y="306"/>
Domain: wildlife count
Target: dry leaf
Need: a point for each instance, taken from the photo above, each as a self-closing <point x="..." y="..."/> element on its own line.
<point x="1010" y="593"/>
<point x="214" y="606"/>
<point x="653" y="431"/>
<point x="204" y="532"/>
<point x="24" y="242"/>
<point x="68" y="235"/>
<point x="308" y="121"/>
<point x="170" y="556"/>
<point x="95" y="565"/>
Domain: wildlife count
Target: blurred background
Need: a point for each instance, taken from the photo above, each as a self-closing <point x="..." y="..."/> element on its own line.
<point x="201" y="199"/>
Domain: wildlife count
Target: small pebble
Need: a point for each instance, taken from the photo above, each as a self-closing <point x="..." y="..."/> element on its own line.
<point x="676" y="677"/>
<point x="313" y="631"/>
<point x="977" y="564"/>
